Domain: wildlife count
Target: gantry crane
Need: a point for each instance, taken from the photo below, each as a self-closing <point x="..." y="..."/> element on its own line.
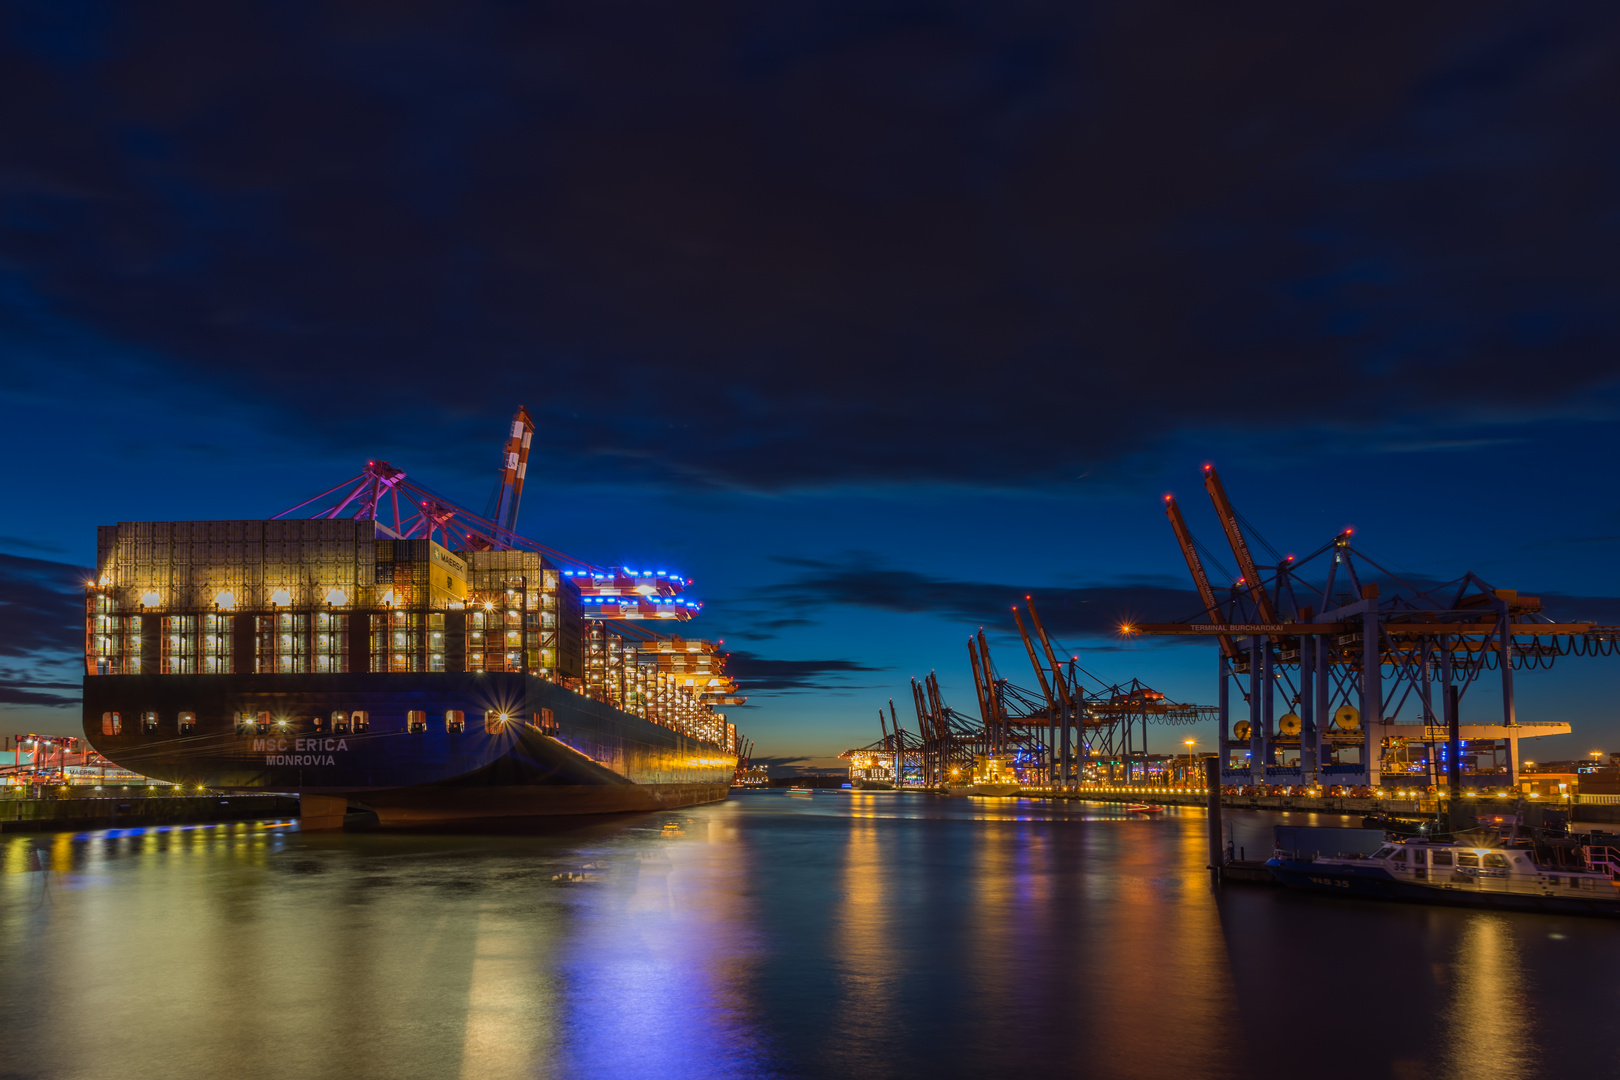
<point x="1356" y="656"/>
<point x="1050" y="741"/>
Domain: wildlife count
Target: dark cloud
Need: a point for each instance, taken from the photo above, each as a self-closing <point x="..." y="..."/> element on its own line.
<point x="766" y="629"/>
<point x="41" y="607"/>
<point x="25" y="691"/>
<point x="782" y="244"/>
<point x="1084" y="611"/>
<point x="760" y="675"/>
<point x="1088" y="610"/>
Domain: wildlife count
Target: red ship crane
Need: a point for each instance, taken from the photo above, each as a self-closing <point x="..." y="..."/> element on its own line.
<point x="514" y="465"/>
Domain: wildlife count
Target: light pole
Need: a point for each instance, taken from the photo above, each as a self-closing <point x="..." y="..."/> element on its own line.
<point x="1189" y="743"/>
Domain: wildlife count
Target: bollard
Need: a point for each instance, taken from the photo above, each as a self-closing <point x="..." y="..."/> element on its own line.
<point x="1212" y="781"/>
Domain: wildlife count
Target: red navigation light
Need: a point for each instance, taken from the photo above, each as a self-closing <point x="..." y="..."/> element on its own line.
<point x="1208" y="467"/>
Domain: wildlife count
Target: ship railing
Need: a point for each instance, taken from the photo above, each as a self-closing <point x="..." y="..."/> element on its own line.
<point x="1604" y="859"/>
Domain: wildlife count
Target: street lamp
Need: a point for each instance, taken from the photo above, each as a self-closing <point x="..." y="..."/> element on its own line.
<point x="1188" y="743"/>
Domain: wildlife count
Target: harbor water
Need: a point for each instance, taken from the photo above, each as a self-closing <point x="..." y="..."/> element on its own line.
<point x="841" y="934"/>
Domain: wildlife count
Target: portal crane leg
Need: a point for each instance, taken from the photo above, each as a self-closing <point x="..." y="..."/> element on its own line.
<point x="1372" y="684"/>
<point x="1509" y="715"/>
<point x="1223" y="703"/>
<point x="1268" y="708"/>
<point x="1257" y="746"/>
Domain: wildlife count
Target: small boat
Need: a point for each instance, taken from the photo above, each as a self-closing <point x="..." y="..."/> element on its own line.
<point x="1479" y="871"/>
<point x="1144" y="808"/>
<point x="801" y="791"/>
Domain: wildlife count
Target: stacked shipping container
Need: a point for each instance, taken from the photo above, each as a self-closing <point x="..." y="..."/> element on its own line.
<point x="213" y="597"/>
<point x="296" y="595"/>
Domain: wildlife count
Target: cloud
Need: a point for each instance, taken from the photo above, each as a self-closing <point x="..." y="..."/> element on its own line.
<point x="765" y="630"/>
<point x="832" y="243"/>
<point x="1068" y="611"/>
<point x="41" y="607"/>
<point x="759" y="675"/>
<point x="25" y="691"/>
<point x="41" y="627"/>
<point x="28" y="545"/>
<point x="1093" y="610"/>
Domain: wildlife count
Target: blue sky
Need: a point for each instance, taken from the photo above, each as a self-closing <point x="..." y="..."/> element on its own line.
<point x="871" y="318"/>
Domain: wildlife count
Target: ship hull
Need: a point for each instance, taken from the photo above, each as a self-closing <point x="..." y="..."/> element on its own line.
<point x="545" y="752"/>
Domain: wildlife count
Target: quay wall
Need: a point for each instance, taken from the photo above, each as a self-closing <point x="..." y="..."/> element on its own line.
<point x="1590" y="813"/>
<point x="133" y="811"/>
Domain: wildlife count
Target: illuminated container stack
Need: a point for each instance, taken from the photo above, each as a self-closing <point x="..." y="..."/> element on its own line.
<point x="675" y="682"/>
<point x="523" y="614"/>
<point x="295" y="596"/>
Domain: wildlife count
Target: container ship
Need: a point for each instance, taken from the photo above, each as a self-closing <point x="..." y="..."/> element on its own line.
<point x="391" y="651"/>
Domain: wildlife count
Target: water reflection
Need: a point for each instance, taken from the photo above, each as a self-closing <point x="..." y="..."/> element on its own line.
<point x="863" y="943"/>
<point x="868" y="934"/>
<point x="1487" y="1029"/>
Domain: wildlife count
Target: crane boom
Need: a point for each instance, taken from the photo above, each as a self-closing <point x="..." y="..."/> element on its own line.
<point x="937" y="701"/>
<point x="978" y="682"/>
<point x="1040" y="672"/>
<point x="1195" y="566"/>
<point x="1051" y="657"/>
<point x="1240" y="547"/>
<point x="990" y="698"/>
<point x="514" y="466"/>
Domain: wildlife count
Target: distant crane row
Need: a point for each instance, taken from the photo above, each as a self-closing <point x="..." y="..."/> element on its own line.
<point x="1067" y="735"/>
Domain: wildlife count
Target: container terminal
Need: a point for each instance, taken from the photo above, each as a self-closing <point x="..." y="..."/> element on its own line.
<point x="381" y="647"/>
<point x="1337" y="679"/>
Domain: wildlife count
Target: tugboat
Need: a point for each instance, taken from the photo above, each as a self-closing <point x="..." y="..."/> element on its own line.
<point x="1487" y="867"/>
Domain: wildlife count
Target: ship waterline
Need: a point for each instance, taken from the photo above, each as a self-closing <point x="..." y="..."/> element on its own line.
<point x="415" y="748"/>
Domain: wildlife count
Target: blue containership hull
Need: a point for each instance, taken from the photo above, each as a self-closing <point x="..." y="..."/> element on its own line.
<point x="555" y="752"/>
